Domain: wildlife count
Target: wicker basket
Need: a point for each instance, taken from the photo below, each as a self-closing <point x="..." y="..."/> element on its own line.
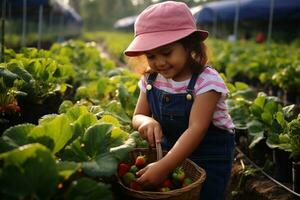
<point x="190" y="192"/>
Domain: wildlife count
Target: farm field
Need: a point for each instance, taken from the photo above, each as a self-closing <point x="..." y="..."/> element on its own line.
<point x="69" y="97"/>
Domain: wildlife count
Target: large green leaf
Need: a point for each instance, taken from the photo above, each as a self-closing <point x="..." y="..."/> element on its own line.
<point x="82" y="123"/>
<point x="88" y="189"/>
<point x="20" y="71"/>
<point x="66" y="168"/>
<point x="256" y="139"/>
<point x="97" y="139"/>
<point x="122" y="151"/>
<point x="274" y="141"/>
<point x="58" y="130"/>
<point x="118" y="136"/>
<point x="8" y="77"/>
<point x="28" y="171"/>
<point x="75" y="152"/>
<point x="117" y="111"/>
<point x="260" y="100"/>
<point x="16" y="136"/>
<point x="103" y="165"/>
<point x="256" y="132"/>
<point x="75" y="112"/>
<point x="271" y="107"/>
<point x="267" y="118"/>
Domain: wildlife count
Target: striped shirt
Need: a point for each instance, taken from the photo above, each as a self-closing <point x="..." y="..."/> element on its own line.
<point x="208" y="80"/>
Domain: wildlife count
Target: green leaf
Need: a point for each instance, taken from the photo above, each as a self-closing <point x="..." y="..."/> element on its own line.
<point x="267" y="118"/>
<point x="274" y="141"/>
<point x="260" y="100"/>
<point x="65" y="106"/>
<point x="8" y="77"/>
<point x="288" y="110"/>
<point x="256" y="110"/>
<point x="97" y="139"/>
<point x="103" y="165"/>
<point x="110" y="119"/>
<point x="75" y="112"/>
<point x="122" y="151"/>
<point x="75" y="152"/>
<point x="241" y="86"/>
<point x="88" y="189"/>
<point x="118" y="136"/>
<point x="66" y="168"/>
<point x="271" y="107"/>
<point x="28" y="171"/>
<point x="116" y="109"/>
<point x="17" y="135"/>
<point x="256" y="139"/>
<point x="20" y="71"/>
<point x="47" y="118"/>
<point x="58" y="130"/>
<point x="280" y="119"/>
<point x="255" y="127"/>
<point x="82" y="123"/>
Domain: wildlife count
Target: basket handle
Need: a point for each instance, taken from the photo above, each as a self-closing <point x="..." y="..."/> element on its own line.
<point x="159" y="153"/>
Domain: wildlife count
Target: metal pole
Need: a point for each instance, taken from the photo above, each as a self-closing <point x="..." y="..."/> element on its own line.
<point x="236" y="20"/>
<point x="9" y="19"/>
<point x="24" y="23"/>
<point x="3" y="31"/>
<point x="215" y="24"/>
<point x="270" y="21"/>
<point x="40" y="26"/>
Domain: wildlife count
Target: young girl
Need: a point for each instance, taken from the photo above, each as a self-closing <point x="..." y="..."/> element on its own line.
<point x="182" y="101"/>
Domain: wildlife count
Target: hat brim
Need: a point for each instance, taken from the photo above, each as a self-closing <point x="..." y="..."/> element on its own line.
<point x="149" y="41"/>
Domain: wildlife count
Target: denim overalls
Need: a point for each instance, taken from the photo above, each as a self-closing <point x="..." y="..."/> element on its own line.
<point x="215" y="152"/>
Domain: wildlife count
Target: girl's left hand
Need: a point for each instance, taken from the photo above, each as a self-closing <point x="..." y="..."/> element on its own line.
<point x="152" y="175"/>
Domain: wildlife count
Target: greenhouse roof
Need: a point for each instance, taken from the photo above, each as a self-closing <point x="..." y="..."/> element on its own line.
<point x="249" y="10"/>
<point x="32" y="6"/>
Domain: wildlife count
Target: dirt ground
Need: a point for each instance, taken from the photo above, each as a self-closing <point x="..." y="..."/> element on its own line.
<point x="250" y="184"/>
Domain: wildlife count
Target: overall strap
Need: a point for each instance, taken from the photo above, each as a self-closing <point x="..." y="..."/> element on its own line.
<point x="151" y="78"/>
<point x="190" y="87"/>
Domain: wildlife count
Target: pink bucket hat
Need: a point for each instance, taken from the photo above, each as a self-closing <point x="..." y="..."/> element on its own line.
<point x="161" y="24"/>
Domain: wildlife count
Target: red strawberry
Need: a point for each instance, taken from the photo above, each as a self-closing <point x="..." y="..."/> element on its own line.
<point x="123" y="168"/>
<point x="135" y="186"/>
<point x="167" y="183"/>
<point x="140" y="161"/>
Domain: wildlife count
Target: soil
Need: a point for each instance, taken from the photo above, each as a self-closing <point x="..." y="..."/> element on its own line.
<point x="249" y="184"/>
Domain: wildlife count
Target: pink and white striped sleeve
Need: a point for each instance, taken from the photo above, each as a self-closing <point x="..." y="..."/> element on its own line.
<point x="208" y="80"/>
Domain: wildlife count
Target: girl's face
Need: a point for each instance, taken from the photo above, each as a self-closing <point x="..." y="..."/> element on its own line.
<point x="170" y="61"/>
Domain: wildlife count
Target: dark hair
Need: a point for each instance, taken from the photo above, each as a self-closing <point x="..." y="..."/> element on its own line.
<point x="194" y="45"/>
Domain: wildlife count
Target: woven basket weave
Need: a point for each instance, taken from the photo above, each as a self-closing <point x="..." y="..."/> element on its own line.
<point x="190" y="192"/>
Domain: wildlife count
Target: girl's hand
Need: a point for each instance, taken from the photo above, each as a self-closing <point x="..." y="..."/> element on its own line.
<point x="152" y="175"/>
<point x="151" y="131"/>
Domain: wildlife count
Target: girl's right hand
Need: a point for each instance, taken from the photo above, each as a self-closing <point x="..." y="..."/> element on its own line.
<point x="151" y="131"/>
